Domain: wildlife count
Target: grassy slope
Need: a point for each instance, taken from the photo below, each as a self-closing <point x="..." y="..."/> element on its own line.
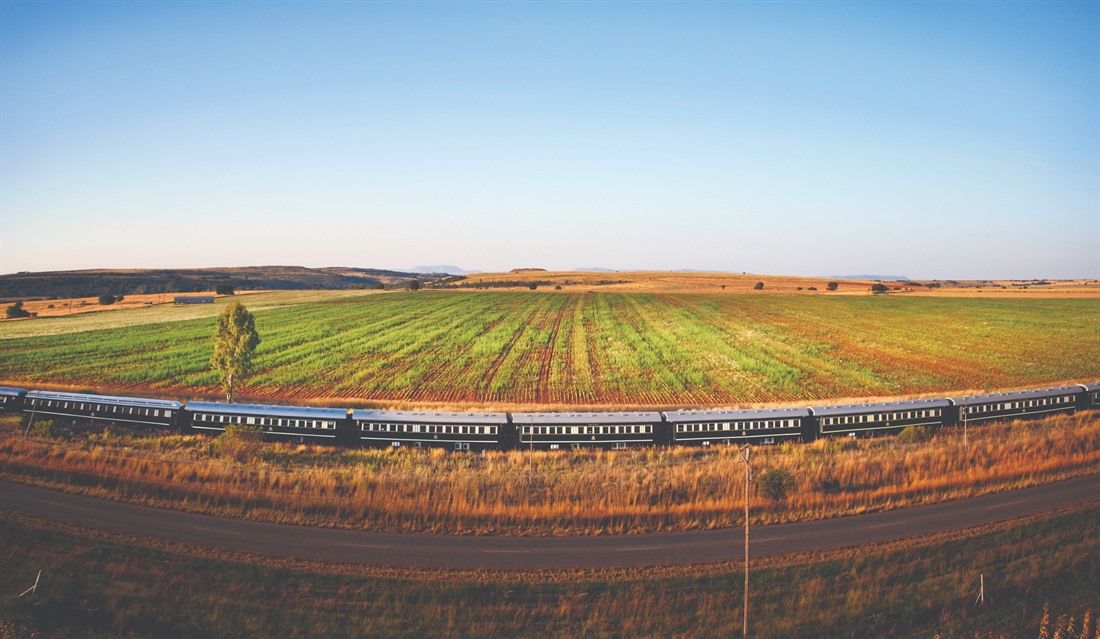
<point x="97" y="587"/>
<point x="508" y="349"/>
<point x="546" y="492"/>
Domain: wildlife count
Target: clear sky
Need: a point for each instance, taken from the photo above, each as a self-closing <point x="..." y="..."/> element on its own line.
<point x="925" y="139"/>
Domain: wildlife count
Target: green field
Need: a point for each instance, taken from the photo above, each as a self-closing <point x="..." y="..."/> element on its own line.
<point x="530" y="348"/>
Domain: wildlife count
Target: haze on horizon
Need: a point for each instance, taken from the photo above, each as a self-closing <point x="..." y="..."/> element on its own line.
<point x="932" y="140"/>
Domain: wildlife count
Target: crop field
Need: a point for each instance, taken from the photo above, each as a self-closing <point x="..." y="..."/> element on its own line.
<point x="514" y="349"/>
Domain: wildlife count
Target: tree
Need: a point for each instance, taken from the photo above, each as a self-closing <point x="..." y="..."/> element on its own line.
<point x="235" y="340"/>
<point x="17" y="310"/>
<point x="106" y="300"/>
<point x="832" y="286"/>
<point x="414" y="285"/>
<point x="879" y="288"/>
<point x="759" y="286"/>
<point x="224" y="289"/>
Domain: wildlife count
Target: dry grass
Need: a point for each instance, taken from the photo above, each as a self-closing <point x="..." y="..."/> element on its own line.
<point x="550" y="492"/>
<point x="694" y="282"/>
<point x="80" y="305"/>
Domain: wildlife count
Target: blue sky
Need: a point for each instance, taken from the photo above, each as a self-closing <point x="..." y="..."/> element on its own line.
<point x="935" y="140"/>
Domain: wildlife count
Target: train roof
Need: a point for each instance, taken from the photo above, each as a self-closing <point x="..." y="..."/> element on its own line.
<point x="1038" y="393"/>
<point x="648" y="417"/>
<point x="105" y="399"/>
<point x="738" y="415"/>
<point x="264" y="410"/>
<point x="12" y="392"/>
<point x="1090" y="388"/>
<point x="879" y="407"/>
<point x="423" y="417"/>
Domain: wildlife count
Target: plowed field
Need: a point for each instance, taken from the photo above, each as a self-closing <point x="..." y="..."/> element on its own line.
<point x="583" y="349"/>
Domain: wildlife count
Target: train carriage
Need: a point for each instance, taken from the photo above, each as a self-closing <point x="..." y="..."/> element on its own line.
<point x="555" y="431"/>
<point x="706" y="427"/>
<point x="882" y="417"/>
<point x="301" y="423"/>
<point x="1029" y="404"/>
<point x="103" y="408"/>
<point x="1090" y="400"/>
<point x="457" y="431"/>
<point x="11" y="399"/>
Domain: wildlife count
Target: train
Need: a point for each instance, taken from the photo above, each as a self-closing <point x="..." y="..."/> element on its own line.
<point x="479" y="431"/>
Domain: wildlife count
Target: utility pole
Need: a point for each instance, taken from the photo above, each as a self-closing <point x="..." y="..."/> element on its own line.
<point x="745" y="452"/>
<point x="530" y="454"/>
<point x="966" y="443"/>
<point x="34" y="407"/>
<point x="981" y="593"/>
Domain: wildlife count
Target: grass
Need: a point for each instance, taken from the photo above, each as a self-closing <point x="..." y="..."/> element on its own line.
<point x="1039" y="575"/>
<point x="519" y="350"/>
<point x="545" y="492"/>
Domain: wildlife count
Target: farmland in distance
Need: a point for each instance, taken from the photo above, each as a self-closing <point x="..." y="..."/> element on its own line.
<point x="516" y="349"/>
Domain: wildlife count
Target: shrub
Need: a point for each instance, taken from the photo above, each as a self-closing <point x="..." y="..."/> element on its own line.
<point x="44" y="428"/>
<point x="759" y="286"/>
<point x="879" y="288"/>
<point x="776" y="483"/>
<point x="106" y="300"/>
<point x="832" y="286"/>
<point x="239" y="442"/>
<point x="915" y="433"/>
<point x="224" y="289"/>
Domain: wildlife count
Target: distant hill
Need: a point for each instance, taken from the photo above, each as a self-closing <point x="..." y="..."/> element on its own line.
<point x="449" y="269"/>
<point x="884" y="278"/>
<point x="64" y="284"/>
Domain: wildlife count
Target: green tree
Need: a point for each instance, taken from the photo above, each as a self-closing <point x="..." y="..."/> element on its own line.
<point x="106" y="300"/>
<point x="832" y="286"/>
<point x="235" y="341"/>
<point x="414" y="285"/>
<point x="224" y="289"/>
<point x="759" y="286"/>
<point x="879" y="288"/>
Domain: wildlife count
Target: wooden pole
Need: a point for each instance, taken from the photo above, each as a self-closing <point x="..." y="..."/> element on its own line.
<point x="745" y="452"/>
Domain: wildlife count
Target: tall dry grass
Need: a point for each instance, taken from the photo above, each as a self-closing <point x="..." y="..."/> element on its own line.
<point x="521" y="492"/>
